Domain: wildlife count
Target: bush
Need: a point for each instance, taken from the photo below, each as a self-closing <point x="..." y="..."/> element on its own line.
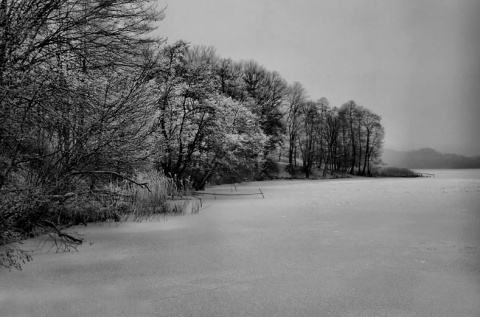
<point x="30" y="212"/>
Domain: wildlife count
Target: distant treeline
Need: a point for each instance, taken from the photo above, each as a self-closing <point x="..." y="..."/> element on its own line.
<point x="429" y="158"/>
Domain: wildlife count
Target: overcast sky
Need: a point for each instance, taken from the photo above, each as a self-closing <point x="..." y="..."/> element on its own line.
<point x="414" y="62"/>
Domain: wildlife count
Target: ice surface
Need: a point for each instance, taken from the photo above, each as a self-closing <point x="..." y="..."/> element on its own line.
<point x="356" y="247"/>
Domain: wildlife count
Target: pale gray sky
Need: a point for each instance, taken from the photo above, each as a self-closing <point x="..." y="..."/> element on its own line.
<point x="414" y="62"/>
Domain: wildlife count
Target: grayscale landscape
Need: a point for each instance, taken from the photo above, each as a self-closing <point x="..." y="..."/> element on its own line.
<point x="239" y="158"/>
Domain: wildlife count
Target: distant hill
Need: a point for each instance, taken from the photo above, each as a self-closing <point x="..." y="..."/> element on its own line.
<point x="428" y="158"/>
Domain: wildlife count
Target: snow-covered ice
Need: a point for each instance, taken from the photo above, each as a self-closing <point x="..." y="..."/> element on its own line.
<point x="351" y="247"/>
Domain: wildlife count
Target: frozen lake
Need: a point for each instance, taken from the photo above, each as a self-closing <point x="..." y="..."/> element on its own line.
<point x="348" y="247"/>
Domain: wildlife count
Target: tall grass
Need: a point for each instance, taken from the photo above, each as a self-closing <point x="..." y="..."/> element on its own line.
<point x="161" y="196"/>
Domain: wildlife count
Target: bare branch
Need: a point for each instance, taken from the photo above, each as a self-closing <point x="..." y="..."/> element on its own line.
<point x="49" y="224"/>
<point x="142" y="185"/>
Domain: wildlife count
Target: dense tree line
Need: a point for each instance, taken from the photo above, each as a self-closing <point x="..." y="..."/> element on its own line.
<point x="205" y="103"/>
<point x="88" y="97"/>
<point x="348" y="139"/>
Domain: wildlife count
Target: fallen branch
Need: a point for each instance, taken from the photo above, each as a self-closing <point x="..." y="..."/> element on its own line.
<point x="61" y="234"/>
<point x="142" y="185"/>
<point x="229" y="194"/>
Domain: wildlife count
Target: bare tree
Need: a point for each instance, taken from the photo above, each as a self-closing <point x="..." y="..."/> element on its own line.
<point x="296" y="98"/>
<point x="348" y="112"/>
<point x="311" y="121"/>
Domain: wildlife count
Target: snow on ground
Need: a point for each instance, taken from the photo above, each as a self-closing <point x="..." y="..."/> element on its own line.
<point x="356" y="247"/>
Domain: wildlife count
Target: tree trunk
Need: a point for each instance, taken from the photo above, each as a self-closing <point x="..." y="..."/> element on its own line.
<point x="366" y="152"/>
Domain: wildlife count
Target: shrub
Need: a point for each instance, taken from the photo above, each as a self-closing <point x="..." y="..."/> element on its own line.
<point x="29" y="212"/>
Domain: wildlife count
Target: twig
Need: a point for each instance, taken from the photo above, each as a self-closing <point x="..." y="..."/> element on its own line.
<point x="261" y="193"/>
